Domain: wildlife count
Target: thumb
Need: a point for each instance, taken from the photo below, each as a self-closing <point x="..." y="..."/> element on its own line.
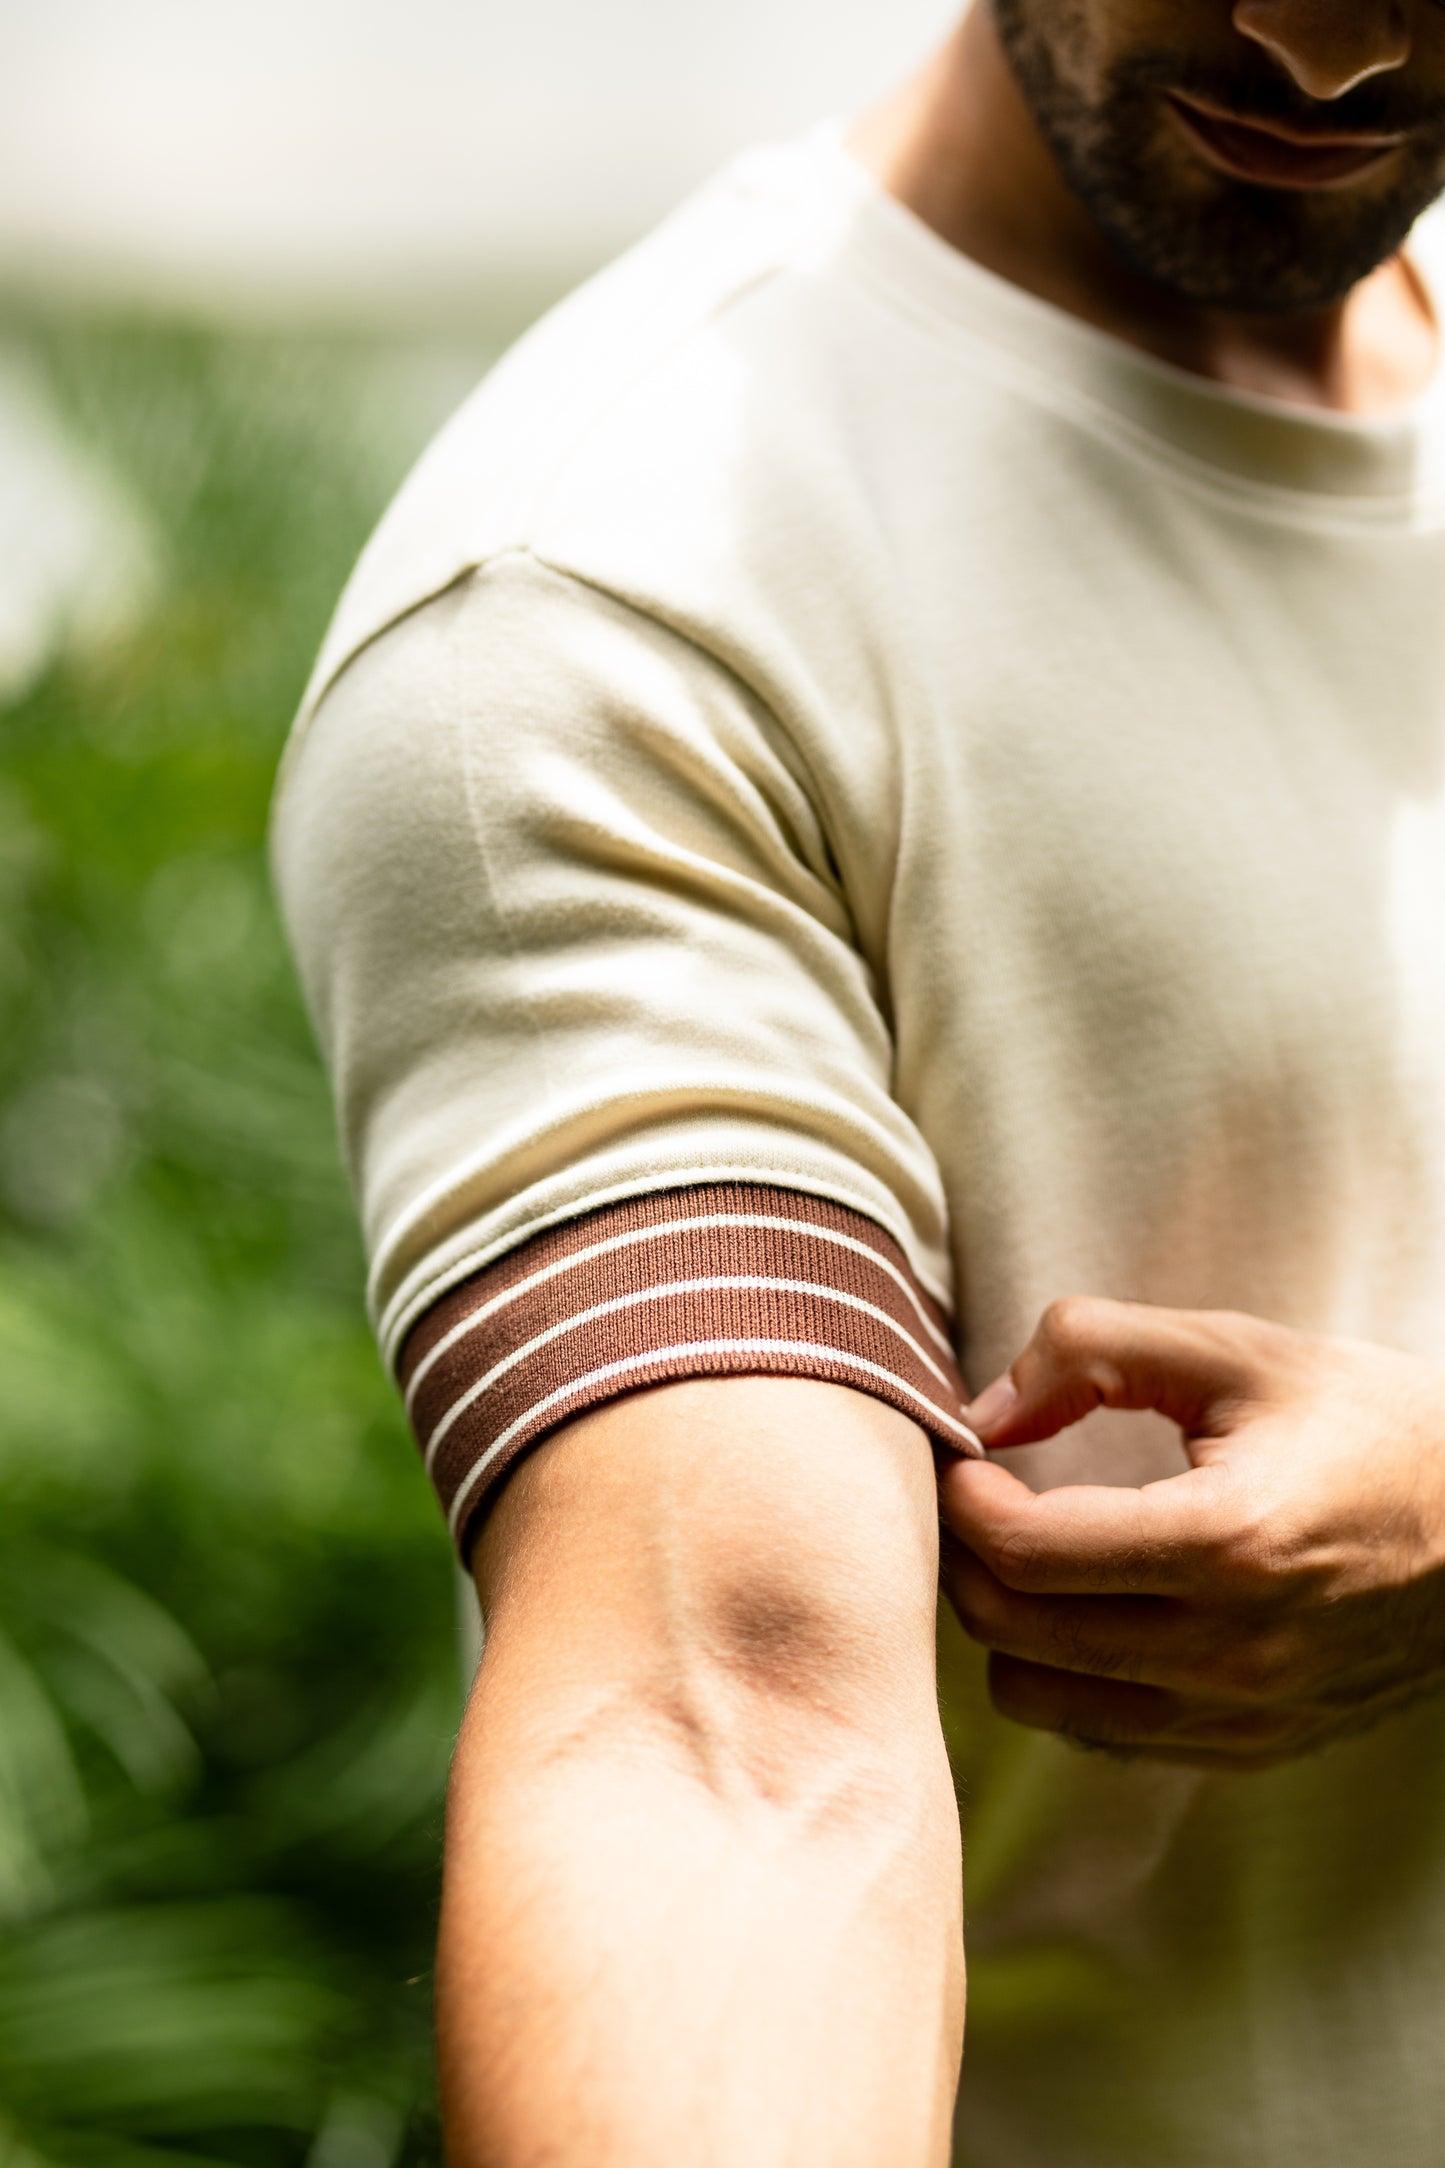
<point x="1198" y="1367"/>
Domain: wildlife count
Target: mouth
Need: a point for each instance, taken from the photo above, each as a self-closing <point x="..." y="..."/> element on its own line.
<point x="1274" y="155"/>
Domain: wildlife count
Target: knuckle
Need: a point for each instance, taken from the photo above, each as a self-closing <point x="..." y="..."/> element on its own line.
<point x="1065" y="1637"/>
<point x="1246" y="1557"/>
<point x="1078" y="1339"/>
<point x="1264" y="1667"/>
<point x="1241" y="1562"/>
<point x="1134" y="1567"/>
<point x="1069" y="1325"/>
<point x="1018" y="1559"/>
<point x="1073" y="1648"/>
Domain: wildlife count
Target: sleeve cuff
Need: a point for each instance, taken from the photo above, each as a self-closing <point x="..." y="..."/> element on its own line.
<point x="722" y="1279"/>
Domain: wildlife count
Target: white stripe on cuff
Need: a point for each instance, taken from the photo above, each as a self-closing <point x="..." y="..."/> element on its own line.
<point x="689" y="1350"/>
<point x="662" y="1292"/>
<point x="635" y="1235"/>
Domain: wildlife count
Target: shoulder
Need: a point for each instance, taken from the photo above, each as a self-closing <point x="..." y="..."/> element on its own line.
<point x="628" y="436"/>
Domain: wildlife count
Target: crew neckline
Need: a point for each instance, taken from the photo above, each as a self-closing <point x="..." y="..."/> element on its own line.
<point x="1389" y="463"/>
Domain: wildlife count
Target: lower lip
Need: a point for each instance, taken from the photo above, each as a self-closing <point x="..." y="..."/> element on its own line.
<point x="1248" y="154"/>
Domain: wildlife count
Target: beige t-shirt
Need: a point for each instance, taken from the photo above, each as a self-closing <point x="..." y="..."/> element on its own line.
<point x="827" y="751"/>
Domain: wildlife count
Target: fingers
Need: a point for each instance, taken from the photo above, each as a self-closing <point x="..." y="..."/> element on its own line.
<point x="1144" y="1640"/>
<point x="1144" y="1721"/>
<point x="1168" y="1539"/>
<point x="1193" y="1366"/>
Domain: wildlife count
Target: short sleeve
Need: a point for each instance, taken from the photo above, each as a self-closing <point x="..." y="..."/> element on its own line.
<point x="613" y="1077"/>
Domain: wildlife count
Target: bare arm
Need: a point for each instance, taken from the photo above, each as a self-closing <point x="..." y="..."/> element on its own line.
<point x="702" y="1896"/>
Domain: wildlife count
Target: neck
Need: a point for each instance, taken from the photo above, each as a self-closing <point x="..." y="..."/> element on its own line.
<point x="959" y="146"/>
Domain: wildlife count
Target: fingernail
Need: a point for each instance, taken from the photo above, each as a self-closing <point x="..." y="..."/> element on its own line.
<point x="993" y="1405"/>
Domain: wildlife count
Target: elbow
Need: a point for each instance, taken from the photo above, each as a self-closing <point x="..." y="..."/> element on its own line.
<point x="780" y="1691"/>
<point x="756" y="1614"/>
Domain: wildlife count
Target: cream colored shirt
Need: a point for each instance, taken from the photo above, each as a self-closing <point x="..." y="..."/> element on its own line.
<point x="819" y="717"/>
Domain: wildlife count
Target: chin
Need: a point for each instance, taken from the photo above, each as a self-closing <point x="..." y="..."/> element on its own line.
<point x="1255" y="251"/>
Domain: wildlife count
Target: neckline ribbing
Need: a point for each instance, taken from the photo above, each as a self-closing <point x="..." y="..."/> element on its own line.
<point x="1388" y="467"/>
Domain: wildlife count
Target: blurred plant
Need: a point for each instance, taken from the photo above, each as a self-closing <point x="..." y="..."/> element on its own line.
<point x="227" y="1666"/>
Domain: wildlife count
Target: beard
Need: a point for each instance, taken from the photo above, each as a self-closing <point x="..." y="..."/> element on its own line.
<point x="1214" y="241"/>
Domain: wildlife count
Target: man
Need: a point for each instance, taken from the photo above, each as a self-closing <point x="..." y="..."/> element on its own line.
<point x="886" y="773"/>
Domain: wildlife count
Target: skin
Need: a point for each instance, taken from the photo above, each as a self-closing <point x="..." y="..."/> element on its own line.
<point x="702" y="1891"/>
<point x="1286" y="1592"/>
<point x="1347" y="327"/>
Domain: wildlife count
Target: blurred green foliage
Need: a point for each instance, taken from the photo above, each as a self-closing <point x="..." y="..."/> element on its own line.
<point x="228" y="1675"/>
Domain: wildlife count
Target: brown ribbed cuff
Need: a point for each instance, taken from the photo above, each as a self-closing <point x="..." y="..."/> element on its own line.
<point x="717" y="1280"/>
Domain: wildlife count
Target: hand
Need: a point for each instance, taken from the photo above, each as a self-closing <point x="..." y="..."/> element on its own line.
<point x="1287" y="1590"/>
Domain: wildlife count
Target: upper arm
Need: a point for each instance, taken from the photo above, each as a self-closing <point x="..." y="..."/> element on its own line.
<point x="745" y="1566"/>
<point x="568" y="925"/>
<point x="615" y="1079"/>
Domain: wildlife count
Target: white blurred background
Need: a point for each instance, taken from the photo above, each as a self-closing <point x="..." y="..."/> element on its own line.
<point x="316" y="158"/>
<point x="430" y="170"/>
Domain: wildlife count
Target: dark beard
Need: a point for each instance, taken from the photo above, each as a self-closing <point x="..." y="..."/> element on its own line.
<point x="1223" y="244"/>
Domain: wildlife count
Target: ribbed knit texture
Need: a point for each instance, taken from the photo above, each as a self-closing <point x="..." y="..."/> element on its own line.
<point x="710" y="1281"/>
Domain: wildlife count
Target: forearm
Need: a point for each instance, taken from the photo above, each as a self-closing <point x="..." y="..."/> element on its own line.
<point x="699" y="1908"/>
<point x="638" y="1968"/>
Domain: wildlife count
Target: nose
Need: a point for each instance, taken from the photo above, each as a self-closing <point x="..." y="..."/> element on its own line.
<point x="1328" y="46"/>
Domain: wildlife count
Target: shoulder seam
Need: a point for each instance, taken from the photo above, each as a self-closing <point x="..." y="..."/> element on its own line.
<point x="529" y="517"/>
